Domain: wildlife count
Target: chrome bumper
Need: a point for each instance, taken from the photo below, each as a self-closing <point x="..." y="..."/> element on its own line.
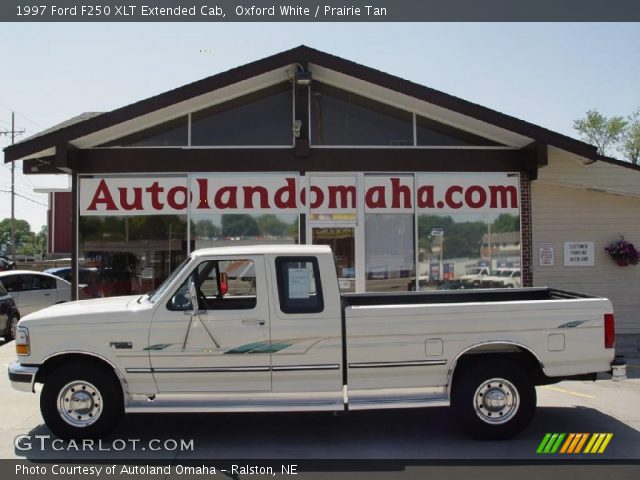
<point x="22" y="378"/>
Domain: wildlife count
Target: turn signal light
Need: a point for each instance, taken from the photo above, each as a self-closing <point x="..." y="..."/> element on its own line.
<point x="22" y="349"/>
<point x="22" y="341"/>
<point x="609" y="331"/>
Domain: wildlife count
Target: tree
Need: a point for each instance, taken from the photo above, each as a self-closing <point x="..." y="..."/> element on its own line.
<point x="599" y="130"/>
<point x="22" y="229"/>
<point x="506" y="223"/>
<point x="271" y="226"/>
<point x="206" y="229"/>
<point x="631" y="138"/>
<point x="239" y="225"/>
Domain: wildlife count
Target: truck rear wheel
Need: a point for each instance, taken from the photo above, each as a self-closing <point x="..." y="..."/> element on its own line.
<point x="81" y="401"/>
<point x="494" y="400"/>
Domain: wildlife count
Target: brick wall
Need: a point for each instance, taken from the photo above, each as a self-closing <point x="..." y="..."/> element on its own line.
<point x="525" y="230"/>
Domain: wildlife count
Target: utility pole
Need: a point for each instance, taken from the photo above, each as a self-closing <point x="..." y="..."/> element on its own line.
<point x="13" y="133"/>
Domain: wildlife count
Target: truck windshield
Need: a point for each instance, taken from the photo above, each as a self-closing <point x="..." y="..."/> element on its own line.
<point x="155" y="295"/>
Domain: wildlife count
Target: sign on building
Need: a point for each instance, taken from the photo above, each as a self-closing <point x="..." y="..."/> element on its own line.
<point x="579" y="254"/>
<point x="546" y="254"/>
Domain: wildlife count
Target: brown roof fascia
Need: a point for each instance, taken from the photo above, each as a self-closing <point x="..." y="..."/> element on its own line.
<point x="301" y="54"/>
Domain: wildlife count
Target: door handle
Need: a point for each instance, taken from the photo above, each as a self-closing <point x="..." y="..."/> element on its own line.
<point x="47" y="294"/>
<point x="253" y="322"/>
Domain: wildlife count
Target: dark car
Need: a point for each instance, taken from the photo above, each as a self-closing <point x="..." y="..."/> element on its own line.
<point x="9" y="315"/>
<point x="6" y="264"/>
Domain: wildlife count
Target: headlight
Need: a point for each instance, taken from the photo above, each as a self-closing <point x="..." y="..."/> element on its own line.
<point x="22" y="341"/>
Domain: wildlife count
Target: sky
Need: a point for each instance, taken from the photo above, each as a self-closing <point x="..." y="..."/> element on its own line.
<point x="546" y="74"/>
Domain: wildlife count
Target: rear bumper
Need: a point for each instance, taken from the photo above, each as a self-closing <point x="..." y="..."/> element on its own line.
<point x="22" y="377"/>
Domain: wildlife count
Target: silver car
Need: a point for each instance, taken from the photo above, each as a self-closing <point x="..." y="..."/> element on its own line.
<point x="35" y="290"/>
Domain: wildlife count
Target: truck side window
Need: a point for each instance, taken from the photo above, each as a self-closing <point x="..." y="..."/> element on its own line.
<point x="238" y="293"/>
<point x="299" y="285"/>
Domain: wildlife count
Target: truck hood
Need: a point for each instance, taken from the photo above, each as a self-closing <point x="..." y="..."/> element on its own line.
<point x="82" y="311"/>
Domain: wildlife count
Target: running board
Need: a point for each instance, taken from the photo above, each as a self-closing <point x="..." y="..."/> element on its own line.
<point x="398" y="398"/>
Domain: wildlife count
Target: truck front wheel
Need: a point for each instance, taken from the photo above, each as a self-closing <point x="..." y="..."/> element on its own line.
<point x="81" y="401"/>
<point x="494" y="400"/>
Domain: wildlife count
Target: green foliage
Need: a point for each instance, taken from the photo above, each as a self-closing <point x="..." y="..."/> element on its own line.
<point x="27" y="242"/>
<point x="506" y="223"/>
<point x="239" y="225"/>
<point x="463" y="239"/>
<point x="271" y="225"/>
<point x="606" y="133"/>
<point x="205" y="229"/>
<point x="631" y="138"/>
<point x="599" y="130"/>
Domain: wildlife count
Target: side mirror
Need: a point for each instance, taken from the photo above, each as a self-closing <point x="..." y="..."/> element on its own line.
<point x="193" y="296"/>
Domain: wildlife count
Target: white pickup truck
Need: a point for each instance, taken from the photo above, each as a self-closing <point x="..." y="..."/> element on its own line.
<point x="265" y="328"/>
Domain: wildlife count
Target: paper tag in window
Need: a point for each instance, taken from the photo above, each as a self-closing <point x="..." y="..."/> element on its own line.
<point x="299" y="283"/>
<point x="344" y="284"/>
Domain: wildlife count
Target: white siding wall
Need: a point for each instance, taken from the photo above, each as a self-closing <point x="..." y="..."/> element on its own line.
<point x="562" y="214"/>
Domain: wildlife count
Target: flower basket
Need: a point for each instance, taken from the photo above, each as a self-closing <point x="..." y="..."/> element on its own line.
<point x="623" y="252"/>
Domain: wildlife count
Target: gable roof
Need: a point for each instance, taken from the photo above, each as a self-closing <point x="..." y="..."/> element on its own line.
<point x="87" y="124"/>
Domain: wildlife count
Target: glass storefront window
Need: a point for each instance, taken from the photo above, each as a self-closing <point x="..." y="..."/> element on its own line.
<point x="339" y="117"/>
<point x="459" y="251"/>
<point x="389" y="252"/>
<point x="260" y="118"/>
<point x="217" y="230"/>
<point x="169" y="134"/>
<point x="131" y="254"/>
<point x="432" y="133"/>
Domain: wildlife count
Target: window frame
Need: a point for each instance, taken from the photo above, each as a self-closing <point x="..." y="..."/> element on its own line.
<point x="216" y="269"/>
<point x="283" y="298"/>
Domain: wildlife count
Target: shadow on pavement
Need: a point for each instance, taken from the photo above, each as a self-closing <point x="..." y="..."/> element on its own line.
<point x="405" y="435"/>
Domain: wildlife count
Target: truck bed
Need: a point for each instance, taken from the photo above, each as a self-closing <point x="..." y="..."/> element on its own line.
<point x="459" y="296"/>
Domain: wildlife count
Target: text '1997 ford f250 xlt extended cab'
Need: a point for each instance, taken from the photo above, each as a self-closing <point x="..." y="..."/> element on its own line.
<point x="265" y="328"/>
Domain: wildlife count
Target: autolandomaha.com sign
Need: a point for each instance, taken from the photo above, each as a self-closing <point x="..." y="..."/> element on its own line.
<point x="261" y="193"/>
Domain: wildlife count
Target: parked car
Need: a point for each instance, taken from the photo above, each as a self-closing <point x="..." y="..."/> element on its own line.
<point x="89" y="279"/>
<point x="33" y="291"/>
<point x="6" y="264"/>
<point x="475" y="276"/>
<point x="506" y="277"/>
<point x="9" y="315"/>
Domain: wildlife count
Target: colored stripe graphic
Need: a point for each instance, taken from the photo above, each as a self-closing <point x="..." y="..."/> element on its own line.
<point x="573" y="443"/>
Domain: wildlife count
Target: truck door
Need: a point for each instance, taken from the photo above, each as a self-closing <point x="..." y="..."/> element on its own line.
<point x="224" y="346"/>
<point x="306" y="331"/>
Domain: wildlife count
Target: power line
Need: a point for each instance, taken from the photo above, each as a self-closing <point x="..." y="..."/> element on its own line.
<point x="26" y="198"/>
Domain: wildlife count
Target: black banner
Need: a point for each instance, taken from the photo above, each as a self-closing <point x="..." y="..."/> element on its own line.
<point x="310" y="469"/>
<point x="320" y="11"/>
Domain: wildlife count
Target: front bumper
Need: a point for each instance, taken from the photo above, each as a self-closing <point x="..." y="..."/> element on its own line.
<point x="22" y="377"/>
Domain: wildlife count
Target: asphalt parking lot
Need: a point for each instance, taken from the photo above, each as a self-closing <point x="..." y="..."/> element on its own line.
<point x="404" y="435"/>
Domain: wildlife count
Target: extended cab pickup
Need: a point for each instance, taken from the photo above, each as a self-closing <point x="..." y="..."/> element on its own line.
<point x="265" y="328"/>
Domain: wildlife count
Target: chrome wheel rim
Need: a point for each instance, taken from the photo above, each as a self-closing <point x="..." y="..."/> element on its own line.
<point x="496" y="401"/>
<point x="79" y="403"/>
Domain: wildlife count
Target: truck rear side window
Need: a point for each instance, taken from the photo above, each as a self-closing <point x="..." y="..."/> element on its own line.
<point x="299" y="285"/>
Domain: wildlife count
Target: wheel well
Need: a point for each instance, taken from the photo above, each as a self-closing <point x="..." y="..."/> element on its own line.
<point x="508" y="353"/>
<point x="58" y="361"/>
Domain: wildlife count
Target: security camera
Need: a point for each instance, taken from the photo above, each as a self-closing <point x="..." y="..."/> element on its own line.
<point x="297" y="125"/>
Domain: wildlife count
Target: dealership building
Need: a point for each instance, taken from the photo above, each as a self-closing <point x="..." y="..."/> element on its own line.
<point x="414" y="189"/>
